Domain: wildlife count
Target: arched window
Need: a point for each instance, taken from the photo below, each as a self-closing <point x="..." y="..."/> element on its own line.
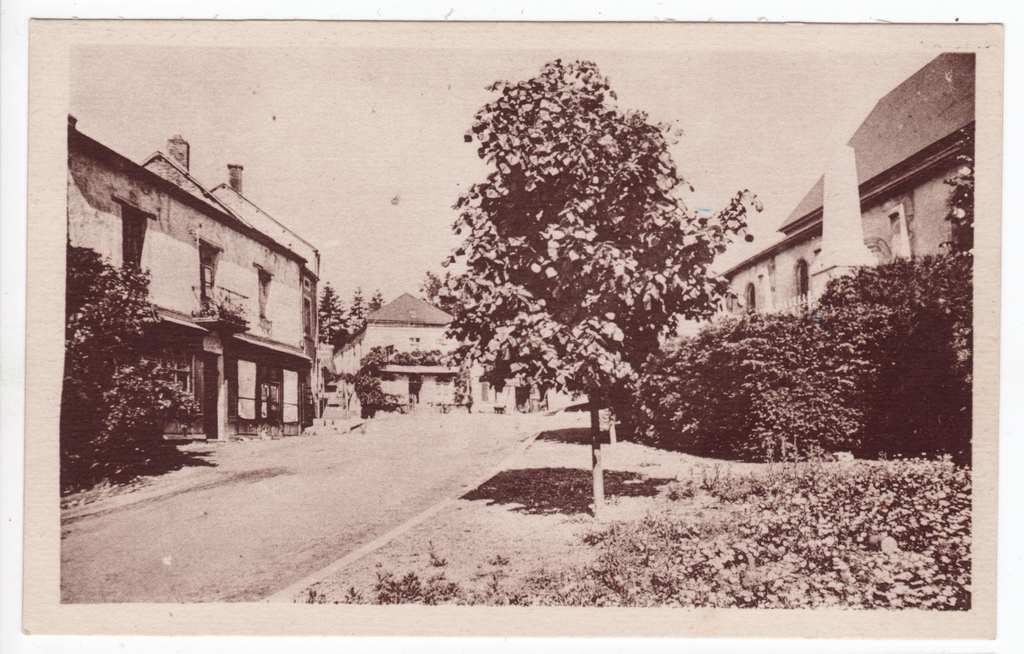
<point x="803" y="282"/>
<point x="751" y="299"/>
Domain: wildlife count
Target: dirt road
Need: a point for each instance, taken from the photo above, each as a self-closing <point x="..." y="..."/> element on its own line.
<point x="271" y="512"/>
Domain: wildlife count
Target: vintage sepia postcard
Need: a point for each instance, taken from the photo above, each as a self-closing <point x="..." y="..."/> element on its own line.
<point x="513" y="329"/>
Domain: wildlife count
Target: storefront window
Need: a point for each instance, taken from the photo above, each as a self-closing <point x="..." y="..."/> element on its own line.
<point x="291" y="396"/>
<point x="246" y="390"/>
<point x="176" y="367"/>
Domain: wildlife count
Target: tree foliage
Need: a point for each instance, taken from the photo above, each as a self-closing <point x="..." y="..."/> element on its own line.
<point x="376" y="302"/>
<point x="116" y="396"/>
<point x="338" y="324"/>
<point x="367" y="380"/>
<point x="434" y="290"/>
<point x="921" y="399"/>
<point x="579" y="250"/>
<point x="960" y="208"/>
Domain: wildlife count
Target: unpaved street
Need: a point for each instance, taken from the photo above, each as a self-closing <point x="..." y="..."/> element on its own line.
<point x="271" y="512"/>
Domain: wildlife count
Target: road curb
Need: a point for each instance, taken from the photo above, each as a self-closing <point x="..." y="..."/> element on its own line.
<point x="288" y="594"/>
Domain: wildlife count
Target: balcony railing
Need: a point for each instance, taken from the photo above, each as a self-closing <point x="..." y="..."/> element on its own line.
<point x="223" y="309"/>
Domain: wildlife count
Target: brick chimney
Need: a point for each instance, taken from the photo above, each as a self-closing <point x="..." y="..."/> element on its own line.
<point x="177" y="147"/>
<point x="235" y="177"/>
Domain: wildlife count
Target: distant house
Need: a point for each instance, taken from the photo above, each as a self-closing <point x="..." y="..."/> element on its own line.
<point x="882" y="197"/>
<point x="408" y="325"/>
<point x="236" y="296"/>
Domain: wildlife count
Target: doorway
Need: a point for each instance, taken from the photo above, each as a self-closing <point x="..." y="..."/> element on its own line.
<point x="210" y="395"/>
<point x="415" y="386"/>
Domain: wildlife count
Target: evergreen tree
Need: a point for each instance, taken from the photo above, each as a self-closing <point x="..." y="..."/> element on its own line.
<point x="355" y="320"/>
<point x="331" y="317"/>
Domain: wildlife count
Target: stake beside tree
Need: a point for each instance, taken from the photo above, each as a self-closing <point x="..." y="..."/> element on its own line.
<point x="579" y="251"/>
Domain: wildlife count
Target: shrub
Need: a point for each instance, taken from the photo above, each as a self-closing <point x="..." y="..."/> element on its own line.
<point x="410" y="589"/>
<point x="883" y="364"/>
<point x="115" y="398"/>
<point x="867" y="535"/>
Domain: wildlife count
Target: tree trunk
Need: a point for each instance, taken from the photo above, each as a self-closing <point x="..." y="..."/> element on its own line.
<point x="595" y="449"/>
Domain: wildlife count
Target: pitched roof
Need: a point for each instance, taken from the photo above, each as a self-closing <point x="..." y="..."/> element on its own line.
<point x="169" y="169"/>
<point x="931" y="104"/>
<point x="247" y="210"/>
<point x="407" y="309"/>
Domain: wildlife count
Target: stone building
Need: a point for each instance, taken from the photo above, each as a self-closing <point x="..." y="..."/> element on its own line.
<point x="881" y="197"/>
<point x="408" y="325"/>
<point x="235" y="289"/>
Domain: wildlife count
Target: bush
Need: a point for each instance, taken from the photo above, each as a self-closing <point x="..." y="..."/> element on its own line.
<point x="866" y="535"/>
<point x="115" y="398"/>
<point x="883" y="364"/>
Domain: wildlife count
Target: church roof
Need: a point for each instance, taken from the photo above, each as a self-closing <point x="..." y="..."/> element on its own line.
<point x="931" y="104"/>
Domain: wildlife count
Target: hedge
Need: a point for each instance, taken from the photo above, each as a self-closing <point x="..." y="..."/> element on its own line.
<point x="882" y="365"/>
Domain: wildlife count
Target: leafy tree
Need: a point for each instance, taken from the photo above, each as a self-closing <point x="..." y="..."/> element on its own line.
<point x="116" y="396"/>
<point x="331" y="316"/>
<point x="367" y="380"/>
<point x="579" y="251"/>
<point x="376" y="302"/>
<point x="434" y="290"/>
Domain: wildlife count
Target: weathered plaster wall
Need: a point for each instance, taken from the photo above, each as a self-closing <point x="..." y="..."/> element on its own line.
<point x="96" y="190"/>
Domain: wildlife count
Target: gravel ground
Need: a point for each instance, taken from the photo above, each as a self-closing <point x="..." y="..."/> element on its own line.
<point x="266" y="514"/>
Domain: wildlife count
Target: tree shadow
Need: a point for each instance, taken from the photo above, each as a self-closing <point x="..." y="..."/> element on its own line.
<point x="544" y="491"/>
<point x="570" y="436"/>
<point x="120" y="466"/>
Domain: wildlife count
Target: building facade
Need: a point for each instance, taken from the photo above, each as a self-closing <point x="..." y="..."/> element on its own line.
<point x="409" y="325"/>
<point x="883" y="196"/>
<point x="237" y="300"/>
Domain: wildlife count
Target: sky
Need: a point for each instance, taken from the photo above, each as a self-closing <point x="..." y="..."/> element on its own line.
<point x="361" y="152"/>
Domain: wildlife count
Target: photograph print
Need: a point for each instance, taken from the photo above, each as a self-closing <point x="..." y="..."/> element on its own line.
<point x="541" y="323"/>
